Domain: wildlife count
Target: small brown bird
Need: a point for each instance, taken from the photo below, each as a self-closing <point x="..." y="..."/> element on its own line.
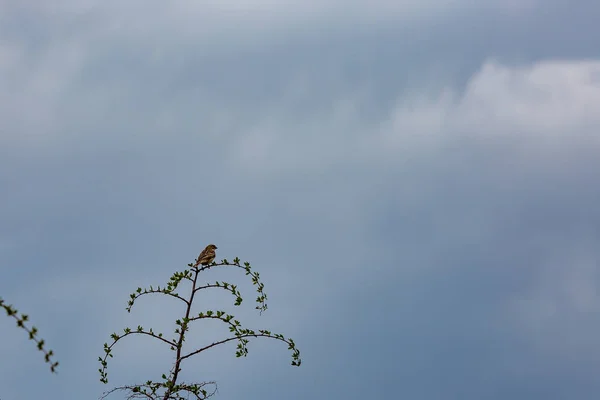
<point x="206" y="256"/>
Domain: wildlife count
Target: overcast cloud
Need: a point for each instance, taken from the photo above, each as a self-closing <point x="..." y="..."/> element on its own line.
<point x="416" y="182"/>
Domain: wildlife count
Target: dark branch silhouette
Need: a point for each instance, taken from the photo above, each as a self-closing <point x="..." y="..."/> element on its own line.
<point x="32" y="332"/>
<point x="170" y="387"/>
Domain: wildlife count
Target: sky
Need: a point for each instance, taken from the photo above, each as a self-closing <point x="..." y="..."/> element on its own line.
<point x="415" y="181"/>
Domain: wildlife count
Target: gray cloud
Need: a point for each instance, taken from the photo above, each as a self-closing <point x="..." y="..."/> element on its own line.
<point x="418" y="193"/>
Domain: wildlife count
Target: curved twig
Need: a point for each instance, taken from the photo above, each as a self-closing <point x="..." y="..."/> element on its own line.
<point x="13" y="312"/>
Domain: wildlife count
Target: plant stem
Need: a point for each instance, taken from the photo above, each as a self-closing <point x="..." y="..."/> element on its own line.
<point x="184" y="323"/>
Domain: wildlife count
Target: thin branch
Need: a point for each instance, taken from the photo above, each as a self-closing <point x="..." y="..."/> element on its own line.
<point x="137" y="332"/>
<point x="116" y="338"/>
<point x="153" y="291"/>
<point x="12" y="312"/>
<point x="211" y="285"/>
<point x="131" y="396"/>
<point x="221" y="264"/>
<point x="230" y="339"/>
<point x="149" y="390"/>
<point x="210" y="315"/>
<point x="262" y="298"/>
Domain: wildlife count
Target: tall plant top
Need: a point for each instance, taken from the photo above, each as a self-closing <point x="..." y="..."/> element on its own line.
<point x="171" y="386"/>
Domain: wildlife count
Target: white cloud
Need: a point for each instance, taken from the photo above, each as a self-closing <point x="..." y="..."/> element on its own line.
<point x="548" y="99"/>
<point x="540" y="107"/>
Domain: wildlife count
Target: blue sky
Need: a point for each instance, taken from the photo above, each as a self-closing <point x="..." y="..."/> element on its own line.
<point x="414" y="180"/>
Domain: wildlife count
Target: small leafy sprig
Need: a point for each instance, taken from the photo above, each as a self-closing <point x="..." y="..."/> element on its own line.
<point x="32" y="332"/>
<point x="170" y="386"/>
<point x="177" y="277"/>
<point x="151" y="390"/>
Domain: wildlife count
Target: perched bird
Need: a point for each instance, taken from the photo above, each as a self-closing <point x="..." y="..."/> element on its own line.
<point x="206" y="256"/>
